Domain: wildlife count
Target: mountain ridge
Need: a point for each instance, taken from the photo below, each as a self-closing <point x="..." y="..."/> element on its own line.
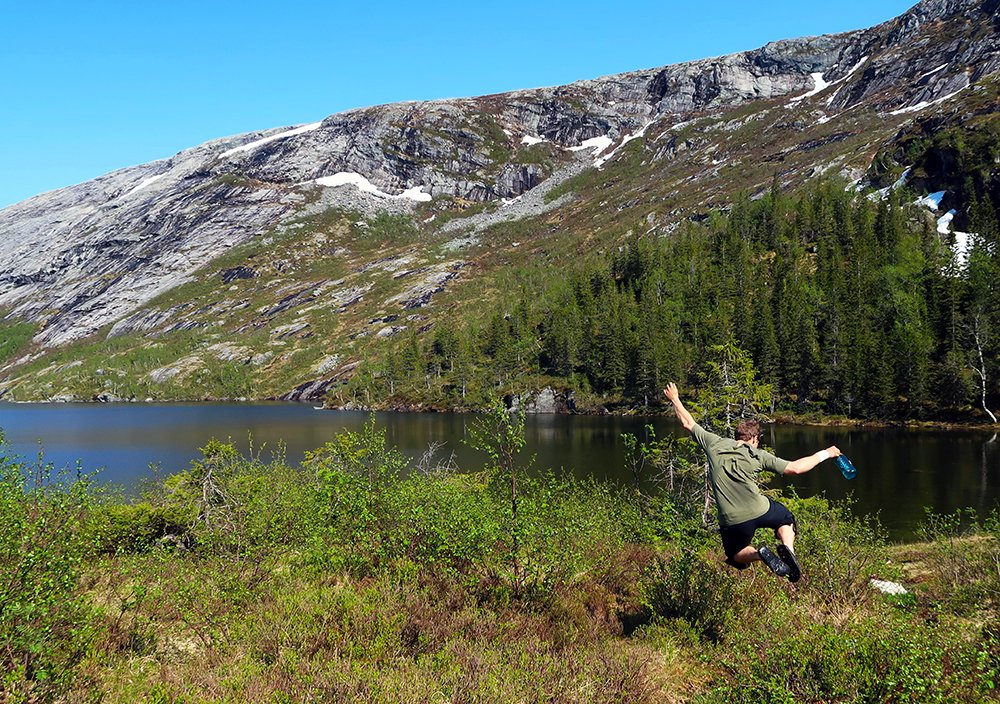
<point x="89" y="258"/>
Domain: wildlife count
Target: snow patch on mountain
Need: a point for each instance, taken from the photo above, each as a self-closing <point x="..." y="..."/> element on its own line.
<point x="345" y="178"/>
<point x="901" y="181"/>
<point x="601" y="161"/>
<point x="925" y="104"/>
<point x="598" y="144"/>
<point x="144" y="183"/>
<point x="882" y="193"/>
<point x="819" y="86"/>
<point x="281" y="135"/>
<point x="932" y="200"/>
<point x="854" y="69"/>
<point x="961" y="242"/>
<point x="932" y="71"/>
<point x="961" y="247"/>
<point x="944" y="222"/>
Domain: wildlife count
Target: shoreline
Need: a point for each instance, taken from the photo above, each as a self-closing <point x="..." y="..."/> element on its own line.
<point x="779" y="417"/>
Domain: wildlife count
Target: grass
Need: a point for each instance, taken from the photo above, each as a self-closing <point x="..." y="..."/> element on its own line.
<point x="350" y="577"/>
<point x="14" y="336"/>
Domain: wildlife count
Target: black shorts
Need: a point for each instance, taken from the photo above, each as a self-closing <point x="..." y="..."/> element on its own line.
<point x="737" y="537"/>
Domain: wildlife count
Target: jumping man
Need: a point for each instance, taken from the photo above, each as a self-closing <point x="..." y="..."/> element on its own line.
<point x="733" y="466"/>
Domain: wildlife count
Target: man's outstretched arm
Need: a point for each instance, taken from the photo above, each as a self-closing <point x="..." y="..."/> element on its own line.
<point x="804" y="464"/>
<point x="683" y="415"/>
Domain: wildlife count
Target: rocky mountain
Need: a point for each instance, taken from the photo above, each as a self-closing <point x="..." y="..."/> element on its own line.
<point x="266" y="264"/>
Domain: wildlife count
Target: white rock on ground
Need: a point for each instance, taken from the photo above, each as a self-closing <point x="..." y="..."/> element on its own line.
<point x="887" y="587"/>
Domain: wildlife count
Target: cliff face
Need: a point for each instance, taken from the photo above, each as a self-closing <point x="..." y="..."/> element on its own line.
<point x="78" y="260"/>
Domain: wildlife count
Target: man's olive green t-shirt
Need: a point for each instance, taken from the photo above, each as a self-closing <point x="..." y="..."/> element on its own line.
<point x="732" y="470"/>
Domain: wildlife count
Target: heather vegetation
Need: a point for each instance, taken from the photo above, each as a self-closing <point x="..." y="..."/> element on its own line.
<point x="848" y="306"/>
<point x="13" y="335"/>
<point x="357" y="576"/>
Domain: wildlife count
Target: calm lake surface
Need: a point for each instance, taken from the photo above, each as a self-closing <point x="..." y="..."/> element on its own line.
<point x="899" y="471"/>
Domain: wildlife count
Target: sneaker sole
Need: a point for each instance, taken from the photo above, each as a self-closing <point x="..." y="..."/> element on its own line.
<point x="788" y="557"/>
<point x="773" y="562"/>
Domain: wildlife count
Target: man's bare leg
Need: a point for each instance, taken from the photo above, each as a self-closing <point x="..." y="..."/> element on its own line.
<point x="786" y="534"/>
<point x="747" y="556"/>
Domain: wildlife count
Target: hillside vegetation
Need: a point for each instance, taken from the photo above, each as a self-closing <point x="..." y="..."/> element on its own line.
<point x="848" y="305"/>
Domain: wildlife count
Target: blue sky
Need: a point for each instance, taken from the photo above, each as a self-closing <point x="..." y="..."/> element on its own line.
<point x="90" y="87"/>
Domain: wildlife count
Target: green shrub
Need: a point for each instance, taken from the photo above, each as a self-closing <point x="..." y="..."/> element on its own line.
<point x="568" y="529"/>
<point x="45" y="535"/>
<point x="967" y="560"/>
<point x="571" y="529"/>
<point x="232" y="504"/>
<point x="988" y="658"/>
<point x="668" y="477"/>
<point x="880" y="657"/>
<point x="948" y="527"/>
<point x="838" y="551"/>
<point x="552" y="530"/>
<point x="447" y="521"/>
<point x="137" y="527"/>
<point x="356" y="522"/>
<point x="691" y="588"/>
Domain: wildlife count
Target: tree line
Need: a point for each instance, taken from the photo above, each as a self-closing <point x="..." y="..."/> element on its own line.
<point x="846" y="304"/>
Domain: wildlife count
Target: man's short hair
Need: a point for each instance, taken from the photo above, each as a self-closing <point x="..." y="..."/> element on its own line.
<point x="747" y="429"/>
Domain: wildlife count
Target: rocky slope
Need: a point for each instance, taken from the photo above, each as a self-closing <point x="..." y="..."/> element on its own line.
<point x="268" y="261"/>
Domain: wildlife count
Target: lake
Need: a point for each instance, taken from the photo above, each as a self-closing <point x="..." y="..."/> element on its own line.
<point x="899" y="471"/>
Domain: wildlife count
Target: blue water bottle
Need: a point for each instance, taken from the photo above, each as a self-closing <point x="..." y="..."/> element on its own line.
<point x="846" y="468"/>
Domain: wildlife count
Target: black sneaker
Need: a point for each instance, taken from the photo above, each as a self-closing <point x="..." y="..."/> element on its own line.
<point x="788" y="557"/>
<point x="775" y="563"/>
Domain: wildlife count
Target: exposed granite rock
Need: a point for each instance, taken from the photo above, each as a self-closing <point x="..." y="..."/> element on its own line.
<point x="144" y="320"/>
<point x="180" y="368"/>
<point x="314" y="390"/>
<point x="81" y="259"/>
<point x="317" y="389"/>
<point x="431" y="282"/>
<point x="290" y="330"/>
<point x="327" y="364"/>
<point x="226" y="352"/>
<point x="544" y="402"/>
<point x="238" y="272"/>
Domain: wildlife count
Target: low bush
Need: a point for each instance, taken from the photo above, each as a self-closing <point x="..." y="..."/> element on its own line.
<point x="691" y="587"/>
<point x="125" y="527"/>
<point x="786" y="655"/>
<point x="353" y="514"/>
<point x="569" y="530"/>
<point x="839" y="552"/>
<point x="447" y="522"/>
<point x="230" y="504"/>
<point x="46" y="534"/>
<point x="966" y="557"/>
